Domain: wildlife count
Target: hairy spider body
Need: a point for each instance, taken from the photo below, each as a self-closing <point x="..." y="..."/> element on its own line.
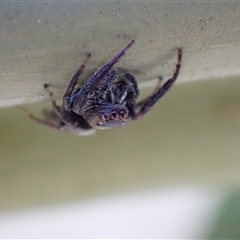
<point x="106" y="100"/>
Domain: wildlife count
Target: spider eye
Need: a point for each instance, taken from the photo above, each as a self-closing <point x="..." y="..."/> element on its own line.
<point x="114" y="114"/>
<point x="122" y="114"/>
<point x="105" y="116"/>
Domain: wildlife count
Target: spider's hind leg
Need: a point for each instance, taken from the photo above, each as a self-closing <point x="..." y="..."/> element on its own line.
<point x="39" y="120"/>
<point x="159" y="84"/>
<point x="63" y="115"/>
<point x="53" y="101"/>
<point x="145" y="105"/>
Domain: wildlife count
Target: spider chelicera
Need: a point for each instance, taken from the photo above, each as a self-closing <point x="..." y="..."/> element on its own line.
<point x="107" y="99"/>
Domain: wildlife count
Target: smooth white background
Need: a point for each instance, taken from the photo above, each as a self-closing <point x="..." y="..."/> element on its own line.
<point x="181" y="212"/>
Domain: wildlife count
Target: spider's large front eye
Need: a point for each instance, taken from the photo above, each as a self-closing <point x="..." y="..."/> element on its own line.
<point x="105" y="116"/>
<point x="122" y="114"/>
<point x="114" y="114"/>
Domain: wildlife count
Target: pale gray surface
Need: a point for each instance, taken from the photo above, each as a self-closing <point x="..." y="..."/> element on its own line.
<point x="183" y="140"/>
<point x="44" y="42"/>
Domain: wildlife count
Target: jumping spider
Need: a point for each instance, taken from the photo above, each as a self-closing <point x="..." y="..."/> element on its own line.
<point x="106" y="100"/>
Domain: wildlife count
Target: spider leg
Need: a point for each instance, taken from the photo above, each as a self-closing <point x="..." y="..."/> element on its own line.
<point x="113" y="74"/>
<point x="145" y="105"/>
<point x="62" y="114"/>
<point x="159" y="84"/>
<point x="132" y="86"/>
<point x="73" y="82"/>
<point x="53" y="101"/>
<point x="38" y="120"/>
<point x="94" y="80"/>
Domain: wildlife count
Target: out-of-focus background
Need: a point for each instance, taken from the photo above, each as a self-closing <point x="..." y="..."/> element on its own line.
<point x="173" y="174"/>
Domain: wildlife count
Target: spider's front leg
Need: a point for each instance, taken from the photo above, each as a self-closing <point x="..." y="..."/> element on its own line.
<point x="63" y="112"/>
<point x="95" y="79"/>
<point x="72" y="84"/>
<point x="145" y="105"/>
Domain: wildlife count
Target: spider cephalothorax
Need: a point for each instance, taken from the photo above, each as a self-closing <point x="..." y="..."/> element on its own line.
<point x="107" y="99"/>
